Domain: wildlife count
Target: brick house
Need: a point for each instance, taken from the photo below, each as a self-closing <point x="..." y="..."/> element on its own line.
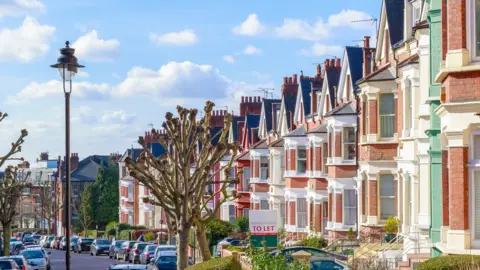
<point x="459" y="112"/>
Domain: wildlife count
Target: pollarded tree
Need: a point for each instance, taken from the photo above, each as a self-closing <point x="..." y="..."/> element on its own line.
<point x="178" y="180"/>
<point x="11" y="186"/>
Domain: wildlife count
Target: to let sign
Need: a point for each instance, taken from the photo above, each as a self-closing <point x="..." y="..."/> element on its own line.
<point x="263" y="222"/>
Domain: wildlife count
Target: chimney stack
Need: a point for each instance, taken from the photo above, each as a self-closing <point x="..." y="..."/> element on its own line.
<point x="285" y="80"/>
<point x="338" y="64"/>
<point x="294" y="78"/>
<point x="74" y="160"/>
<point x="366" y="42"/>
<point x="290" y="81"/>
<point x="243" y="99"/>
<point x="326" y="64"/>
<point x="332" y="63"/>
<point x="44" y="156"/>
<point x="24" y="165"/>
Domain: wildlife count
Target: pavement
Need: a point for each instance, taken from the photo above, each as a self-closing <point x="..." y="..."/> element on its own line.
<point x="80" y="261"/>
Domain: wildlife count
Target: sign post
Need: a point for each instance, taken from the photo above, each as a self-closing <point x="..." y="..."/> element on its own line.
<point x="263" y="228"/>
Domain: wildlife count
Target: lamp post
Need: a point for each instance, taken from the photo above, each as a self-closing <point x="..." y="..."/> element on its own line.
<point x="67" y="65"/>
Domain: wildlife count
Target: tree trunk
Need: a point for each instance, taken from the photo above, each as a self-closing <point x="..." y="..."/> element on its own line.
<point x="6" y="238"/>
<point x="202" y="242"/>
<point x="183" y="240"/>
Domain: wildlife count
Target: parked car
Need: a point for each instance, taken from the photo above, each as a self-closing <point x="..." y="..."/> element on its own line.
<point x="36" y="259"/>
<point x="83" y="244"/>
<point x="124" y="250"/>
<point x="166" y="260"/>
<point x="58" y="240"/>
<point x="28" y="239"/>
<point x="8" y="264"/>
<point x="46" y="256"/>
<point x="229" y="241"/>
<point x="127" y="267"/>
<point x="46" y="241"/>
<point x="100" y="246"/>
<point x="16" y="247"/>
<point x="20" y="260"/>
<point x="148" y="253"/>
<point x="23" y="234"/>
<point x="112" y="252"/>
<point x="32" y="246"/>
<point x="134" y="255"/>
<point x="163" y="248"/>
<point x="36" y="238"/>
<point x="63" y="243"/>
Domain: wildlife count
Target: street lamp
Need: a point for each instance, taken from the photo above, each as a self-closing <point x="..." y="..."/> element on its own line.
<point x="67" y="65"/>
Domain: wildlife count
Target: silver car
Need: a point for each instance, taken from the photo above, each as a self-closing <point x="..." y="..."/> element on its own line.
<point x="20" y="260"/>
<point x="37" y="259"/>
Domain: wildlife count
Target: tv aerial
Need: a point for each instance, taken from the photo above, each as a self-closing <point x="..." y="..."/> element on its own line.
<point x="267" y="92"/>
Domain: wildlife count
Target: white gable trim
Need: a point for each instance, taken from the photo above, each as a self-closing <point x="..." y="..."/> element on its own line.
<point x="262" y="125"/>
<point x="381" y="33"/>
<point x="343" y="75"/>
<point x="296" y="115"/>
<point x="282" y="127"/>
<point x="321" y="103"/>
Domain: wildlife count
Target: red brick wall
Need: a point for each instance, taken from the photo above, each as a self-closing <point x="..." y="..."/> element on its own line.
<point x="338" y="208"/>
<point x="293" y="164"/>
<point x="372" y="198"/>
<point x="330" y="144"/>
<point x="330" y="200"/>
<point x="444" y="29"/>
<point x="318" y="159"/>
<point x="463" y="86"/>
<point x="296" y="182"/>
<point x="318" y="217"/>
<point x="318" y="183"/>
<point x="372" y="117"/>
<point x="378" y="152"/>
<point x="342" y="171"/>
<point x="445" y="188"/>
<point x="256" y="168"/>
<point x="338" y="144"/>
<point x="456" y="20"/>
<point x="259" y="187"/>
<point x="292" y="212"/>
<point x="458" y="188"/>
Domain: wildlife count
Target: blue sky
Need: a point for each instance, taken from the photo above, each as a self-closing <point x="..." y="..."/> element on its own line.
<point x="144" y="57"/>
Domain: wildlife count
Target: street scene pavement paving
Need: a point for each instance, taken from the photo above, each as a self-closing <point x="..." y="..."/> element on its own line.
<point x="80" y="261"/>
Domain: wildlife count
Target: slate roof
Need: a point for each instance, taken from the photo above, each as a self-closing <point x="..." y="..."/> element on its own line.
<point x="355" y="63"/>
<point x="345" y="109"/>
<point x="299" y="132"/>
<point x="384" y="74"/>
<point x="290" y="102"/>
<point x="235" y="121"/>
<point x="261" y="145"/>
<point x="133" y="153"/>
<point x="88" y="168"/>
<point x="319" y="129"/>
<point x="252" y="122"/>
<point x="267" y="108"/>
<point x="278" y="143"/>
<point x="394" y="9"/>
<point x="215" y="135"/>
<point x="306" y="88"/>
<point x="333" y="76"/>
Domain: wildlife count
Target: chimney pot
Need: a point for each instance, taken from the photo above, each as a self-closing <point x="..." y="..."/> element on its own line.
<point x="249" y="99"/>
<point x="326" y="64"/>
<point x="259" y="98"/>
<point x="285" y="80"/>
<point x="290" y="80"/>
<point x="319" y="69"/>
<point x="243" y="99"/>
<point x="366" y="42"/>
<point x="225" y="112"/>
<point x="294" y="78"/>
<point x="338" y="64"/>
<point x="332" y="63"/>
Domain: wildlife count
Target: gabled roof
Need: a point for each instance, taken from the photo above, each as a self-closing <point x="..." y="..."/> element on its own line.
<point x="88" y="168"/>
<point x="355" y="63"/>
<point x="333" y="76"/>
<point x="299" y="132"/>
<point x="345" y="109"/>
<point x="278" y="143"/>
<point x="306" y="88"/>
<point x="384" y="74"/>
<point x="133" y="153"/>
<point x="251" y="122"/>
<point x="290" y="102"/>
<point x="268" y="109"/>
<point x="319" y="129"/>
<point x="262" y="144"/>
<point x="394" y="10"/>
<point x="235" y="121"/>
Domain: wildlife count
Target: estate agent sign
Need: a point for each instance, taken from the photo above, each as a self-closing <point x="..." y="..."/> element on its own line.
<point x="263" y="227"/>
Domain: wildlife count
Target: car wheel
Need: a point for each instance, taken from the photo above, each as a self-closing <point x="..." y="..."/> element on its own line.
<point x="91" y="253"/>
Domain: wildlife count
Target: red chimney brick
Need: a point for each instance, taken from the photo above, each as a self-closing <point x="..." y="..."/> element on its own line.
<point x="366" y="42"/>
<point x="74" y="161"/>
<point x="294" y="78"/>
<point x="326" y="64"/>
<point x="338" y="63"/>
<point x="332" y="63"/>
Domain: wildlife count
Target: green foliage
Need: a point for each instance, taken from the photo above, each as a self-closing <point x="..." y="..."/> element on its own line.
<point x="281" y="235"/>
<point x="124" y="226"/>
<point x="391" y="225"/>
<point x="350" y="234"/>
<point x="313" y="241"/>
<point x="225" y="263"/>
<point x="107" y="194"/>
<point x="263" y="260"/>
<point x="86" y="213"/>
<point x="218" y="229"/>
<point x="237" y="249"/>
<point x="149" y="236"/>
<point x="110" y="229"/>
<point x="92" y="233"/>
<point x="452" y="262"/>
<point x="242" y="224"/>
<point x="125" y="235"/>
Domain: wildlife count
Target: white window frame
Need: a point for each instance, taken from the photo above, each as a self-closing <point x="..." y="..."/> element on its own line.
<point x="385" y="115"/>
<point x="301" y="221"/>
<point x="385" y="197"/>
<point x="264" y="203"/>
<point x="298" y="159"/>
<point x="471" y="40"/>
<point x="282" y="166"/>
<point x="324" y="158"/>
<point x="263" y="169"/>
<point x="246" y="184"/>
<point x="282" y="212"/>
<point x="474" y="168"/>
<point x="344" y="143"/>
<point x="130" y="192"/>
<point x="349" y="208"/>
<point x="408" y="107"/>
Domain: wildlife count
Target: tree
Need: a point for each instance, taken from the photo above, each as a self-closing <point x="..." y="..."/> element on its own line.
<point x="217" y="230"/>
<point x="179" y="179"/>
<point x="106" y="187"/>
<point x="242" y="224"/>
<point x="85" y="214"/>
<point x="48" y="207"/>
<point x="11" y="186"/>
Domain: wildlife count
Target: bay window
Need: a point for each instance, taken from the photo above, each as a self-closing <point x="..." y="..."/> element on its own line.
<point x="264" y="205"/>
<point x="246" y="212"/>
<point x="301" y="159"/>
<point x="387" y="115"/>
<point x="263" y="167"/>
<point x="349" y="207"/>
<point x="387" y="196"/>
<point x="348" y="144"/>
<point x="365" y="116"/>
<point x="231" y="213"/>
<point x="301" y="213"/>
<point x="476" y="149"/>
<point x="246" y="179"/>
<point x="324" y="157"/>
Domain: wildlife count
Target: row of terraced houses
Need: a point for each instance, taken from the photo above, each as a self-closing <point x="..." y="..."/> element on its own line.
<point x="392" y="129"/>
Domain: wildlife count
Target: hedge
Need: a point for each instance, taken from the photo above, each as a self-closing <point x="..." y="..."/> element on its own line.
<point x="125" y="235"/>
<point x="450" y="262"/>
<point x="225" y="263"/>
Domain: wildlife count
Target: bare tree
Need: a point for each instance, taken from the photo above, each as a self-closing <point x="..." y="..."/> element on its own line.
<point x="48" y="207"/>
<point x="179" y="180"/>
<point x="84" y="213"/>
<point x="11" y="186"/>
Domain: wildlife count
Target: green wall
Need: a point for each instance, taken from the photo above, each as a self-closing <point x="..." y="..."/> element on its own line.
<point x="436" y="203"/>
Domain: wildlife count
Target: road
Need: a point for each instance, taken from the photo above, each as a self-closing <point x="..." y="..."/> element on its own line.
<point x="80" y="261"/>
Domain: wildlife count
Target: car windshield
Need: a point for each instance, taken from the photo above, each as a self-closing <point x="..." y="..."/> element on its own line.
<point x="131" y="244"/>
<point x="103" y="242"/>
<point x="166" y="248"/>
<point x="74" y="240"/>
<point x="32" y="254"/>
<point x="141" y="247"/>
<point x="18" y="260"/>
<point x="5" y="265"/>
<point x="151" y="248"/>
<point x="118" y="243"/>
<point x="167" y="259"/>
<point x="50" y="238"/>
<point x="36" y="236"/>
<point x="87" y="240"/>
<point x="28" y="238"/>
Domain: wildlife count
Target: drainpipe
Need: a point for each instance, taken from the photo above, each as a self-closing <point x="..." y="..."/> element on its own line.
<point x="357" y="99"/>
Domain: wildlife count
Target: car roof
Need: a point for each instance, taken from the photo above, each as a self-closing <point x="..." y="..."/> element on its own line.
<point x="12" y="256"/>
<point x="128" y="266"/>
<point x="167" y="246"/>
<point x="167" y="253"/>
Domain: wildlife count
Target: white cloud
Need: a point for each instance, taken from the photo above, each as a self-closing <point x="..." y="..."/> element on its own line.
<point x="299" y="29"/>
<point x="250" y="27"/>
<point x="27" y="42"/>
<point x="118" y="117"/>
<point x="251" y="50"/>
<point x="90" y="47"/>
<point x="116" y="76"/>
<point x="228" y="59"/>
<point x="183" y="38"/>
<point x="82" y="90"/>
<point x="350" y="18"/>
<point x="18" y="8"/>
<point x="82" y="74"/>
<point x="261" y="76"/>
<point x="319" y="49"/>
<point x="175" y="79"/>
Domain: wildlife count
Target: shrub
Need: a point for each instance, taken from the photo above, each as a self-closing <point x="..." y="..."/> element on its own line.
<point x="391" y="225"/>
<point x="242" y="224"/>
<point x="125" y="235"/>
<point x="124" y="226"/>
<point x="225" y="263"/>
<point x="313" y="242"/>
<point x="149" y="236"/>
<point x="450" y="263"/>
<point x="218" y="229"/>
<point x="262" y="260"/>
<point x="111" y="232"/>
<point x="111" y="226"/>
<point x="236" y="249"/>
